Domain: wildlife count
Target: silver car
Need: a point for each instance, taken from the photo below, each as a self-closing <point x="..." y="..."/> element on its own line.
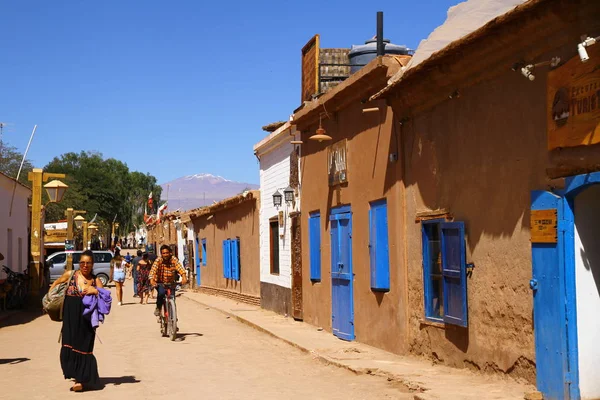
<point x="57" y="263"/>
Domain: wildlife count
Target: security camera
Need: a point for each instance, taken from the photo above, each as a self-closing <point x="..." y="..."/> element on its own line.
<point x="583" y="55"/>
<point x="527" y="72"/>
<point x="586" y="41"/>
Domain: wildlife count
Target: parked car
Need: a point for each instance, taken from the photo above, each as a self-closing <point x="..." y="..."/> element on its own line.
<point x="57" y="263"/>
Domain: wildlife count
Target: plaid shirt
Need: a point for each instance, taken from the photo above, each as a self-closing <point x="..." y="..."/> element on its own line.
<point x="164" y="272"/>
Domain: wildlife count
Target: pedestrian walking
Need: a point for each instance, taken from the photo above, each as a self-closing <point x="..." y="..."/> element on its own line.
<point x="117" y="274"/>
<point x="84" y="292"/>
<point x="134" y="263"/>
<point x="143" y="283"/>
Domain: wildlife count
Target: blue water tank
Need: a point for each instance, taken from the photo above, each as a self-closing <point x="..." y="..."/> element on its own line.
<point x="361" y="55"/>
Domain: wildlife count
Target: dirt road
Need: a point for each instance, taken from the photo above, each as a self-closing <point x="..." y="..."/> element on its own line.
<point x="215" y="357"/>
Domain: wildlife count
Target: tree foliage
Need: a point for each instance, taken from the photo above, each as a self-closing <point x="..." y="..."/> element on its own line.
<point x="10" y="161"/>
<point x="102" y="186"/>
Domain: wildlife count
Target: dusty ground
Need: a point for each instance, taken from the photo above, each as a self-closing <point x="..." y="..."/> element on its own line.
<point x="215" y="357"/>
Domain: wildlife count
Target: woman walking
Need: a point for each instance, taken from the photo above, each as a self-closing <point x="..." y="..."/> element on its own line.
<point x="76" y="355"/>
<point x="117" y="274"/>
<point x="143" y="283"/>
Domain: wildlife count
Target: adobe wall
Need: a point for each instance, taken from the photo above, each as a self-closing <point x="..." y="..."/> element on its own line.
<point x="479" y="156"/>
<point x="238" y="221"/>
<point x="380" y="318"/>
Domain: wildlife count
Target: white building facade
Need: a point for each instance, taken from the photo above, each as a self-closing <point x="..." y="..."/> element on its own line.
<point x="14" y="226"/>
<point x="275" y="153"/>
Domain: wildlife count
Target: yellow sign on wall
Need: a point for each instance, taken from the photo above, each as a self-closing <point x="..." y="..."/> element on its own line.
<point x="544" y="226"/>
<point x="573" y="111"/>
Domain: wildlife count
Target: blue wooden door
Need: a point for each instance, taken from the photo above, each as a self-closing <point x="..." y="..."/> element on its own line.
<point x="342" y="299"/>
<point x="197" y="261"/>
<point x="549" y="307"/>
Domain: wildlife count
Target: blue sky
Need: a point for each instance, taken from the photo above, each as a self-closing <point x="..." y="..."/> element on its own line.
<point x="173" y="87"/>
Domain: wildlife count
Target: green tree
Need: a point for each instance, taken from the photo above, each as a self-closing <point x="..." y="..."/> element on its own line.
<point x="10" y="161"/>
<point x="102" y="186"/>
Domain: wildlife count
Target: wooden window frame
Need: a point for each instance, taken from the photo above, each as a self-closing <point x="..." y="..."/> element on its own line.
<point x="275" y="266"/>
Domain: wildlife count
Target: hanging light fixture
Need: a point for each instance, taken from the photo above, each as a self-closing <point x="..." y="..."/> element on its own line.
<point x="277" y="197"/>
<point x="288" y="194"/>
<point x="320" y="134"/>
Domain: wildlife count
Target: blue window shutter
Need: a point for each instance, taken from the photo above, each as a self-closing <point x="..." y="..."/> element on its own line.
<point x="229" y="260"/>
<point x="235" y="259"/>
<point x="314" y="231"/>
<point x="378" y="246"/>
<point x="204" y="252"/>
<point x="225" y="257"/>
<point x="454" y="273"/>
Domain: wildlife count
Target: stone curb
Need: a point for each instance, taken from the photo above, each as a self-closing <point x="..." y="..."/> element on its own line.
<point x="412" y="386"/>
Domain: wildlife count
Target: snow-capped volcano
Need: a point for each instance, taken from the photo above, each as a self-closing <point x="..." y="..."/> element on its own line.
<point x="193" y="191"/>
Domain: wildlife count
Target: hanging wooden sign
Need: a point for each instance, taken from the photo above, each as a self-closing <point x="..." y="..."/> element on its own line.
<point x="573" y="110"/>
<point x="544" y="226"/>
<point x="337" y="163"/>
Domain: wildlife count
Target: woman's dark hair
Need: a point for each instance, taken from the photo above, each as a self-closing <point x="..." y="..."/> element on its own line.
<point x="89" y="254"/>
<point x="145" y="256"/>
<point x="165" y="246"/>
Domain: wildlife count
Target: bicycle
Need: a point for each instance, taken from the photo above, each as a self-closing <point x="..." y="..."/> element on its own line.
<point x="168" y="316"/>
<point x="16" y="287"/>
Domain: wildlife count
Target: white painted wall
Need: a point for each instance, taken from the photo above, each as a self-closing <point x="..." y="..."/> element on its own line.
<point x="274" y="175"/>
<point x="587" y="276"/>
<point x="17" y="223"/>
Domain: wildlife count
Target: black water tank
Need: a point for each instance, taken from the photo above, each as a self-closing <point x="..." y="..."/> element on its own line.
<point x="361" y="55"/>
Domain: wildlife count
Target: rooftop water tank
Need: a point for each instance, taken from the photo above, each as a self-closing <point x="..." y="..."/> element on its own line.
<point x="361" y="55"/>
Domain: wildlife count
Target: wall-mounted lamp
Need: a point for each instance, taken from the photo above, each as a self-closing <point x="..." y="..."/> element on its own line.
<point x="320" y="134"/>
<point x="288" y="193"/>
<point x="277" y="197"/>
<point x="586" y="41"/>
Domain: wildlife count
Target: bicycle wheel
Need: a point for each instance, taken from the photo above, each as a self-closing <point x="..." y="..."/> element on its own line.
<point x="163" y="324"/>
<point x="172" y="319"/>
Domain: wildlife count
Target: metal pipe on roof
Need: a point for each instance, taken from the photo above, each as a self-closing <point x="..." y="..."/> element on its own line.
<point x="380" y="46"/>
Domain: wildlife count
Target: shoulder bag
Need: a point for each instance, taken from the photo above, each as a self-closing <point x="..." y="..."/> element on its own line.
<point x="53" y="302"/>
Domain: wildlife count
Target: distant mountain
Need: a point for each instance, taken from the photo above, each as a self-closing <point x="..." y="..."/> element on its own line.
<point x="198" y="190"/>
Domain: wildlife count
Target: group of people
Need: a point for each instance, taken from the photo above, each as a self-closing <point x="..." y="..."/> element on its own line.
<point x="78" y="333"/>
<point x="137" y="269"/>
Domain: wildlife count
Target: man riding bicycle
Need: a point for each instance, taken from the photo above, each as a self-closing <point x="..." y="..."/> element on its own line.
<point x="164" y="271"/>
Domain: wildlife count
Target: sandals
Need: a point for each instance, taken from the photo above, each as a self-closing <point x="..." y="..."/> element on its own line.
<point x="78" y="387"/>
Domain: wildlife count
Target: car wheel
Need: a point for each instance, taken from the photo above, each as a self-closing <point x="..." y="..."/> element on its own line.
<point x="103" y="278"/>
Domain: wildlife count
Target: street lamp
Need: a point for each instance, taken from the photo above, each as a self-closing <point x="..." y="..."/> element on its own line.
<point x="79" y="220"/>
<point x="72" y="220"/>
<point x="55" y="190"/>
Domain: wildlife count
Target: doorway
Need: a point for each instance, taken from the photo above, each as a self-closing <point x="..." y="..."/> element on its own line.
<point x="566" y="291"/>
<point x="587" y="284"/>
<point x="342" y="277"/>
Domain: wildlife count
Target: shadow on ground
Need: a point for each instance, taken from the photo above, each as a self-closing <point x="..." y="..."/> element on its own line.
<point x="13" y="360"/>
<point x="19" y="317"/>
<point x="116" y="381"/>
<point x="182" y="336"/>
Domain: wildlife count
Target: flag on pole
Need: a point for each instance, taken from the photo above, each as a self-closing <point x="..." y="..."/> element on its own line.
<point x="161" y="211"/>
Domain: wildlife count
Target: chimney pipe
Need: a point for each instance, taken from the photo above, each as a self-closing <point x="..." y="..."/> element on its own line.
<point x="380" y="45"/>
